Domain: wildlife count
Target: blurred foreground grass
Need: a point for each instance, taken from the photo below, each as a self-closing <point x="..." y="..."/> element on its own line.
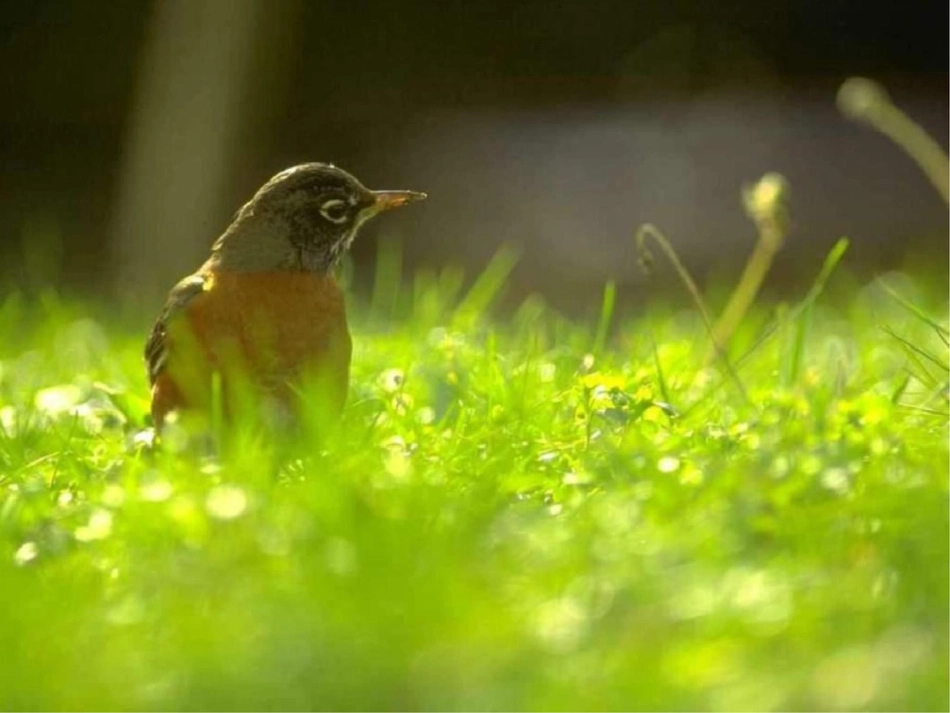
<point x="517" y="514"/>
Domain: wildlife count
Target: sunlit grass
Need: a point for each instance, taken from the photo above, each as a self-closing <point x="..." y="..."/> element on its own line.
<point x="518" y="513"/>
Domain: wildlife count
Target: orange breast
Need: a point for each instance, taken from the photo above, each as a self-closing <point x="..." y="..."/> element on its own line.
<point x="271" y="331"/>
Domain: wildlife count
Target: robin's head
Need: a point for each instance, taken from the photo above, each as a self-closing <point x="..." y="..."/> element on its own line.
<point x="303" y="218"/>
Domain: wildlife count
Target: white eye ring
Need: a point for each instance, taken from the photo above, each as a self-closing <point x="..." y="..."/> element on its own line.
<point x="331" y="210"/>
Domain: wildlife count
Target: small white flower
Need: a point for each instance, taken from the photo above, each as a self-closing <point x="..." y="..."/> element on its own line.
<point x="226" y="502"/>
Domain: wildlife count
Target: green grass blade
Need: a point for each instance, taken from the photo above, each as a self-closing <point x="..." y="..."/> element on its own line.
<point x="912" y="349"/>
<point x="606" y="313"/>
<point x="486" y="287"/>
<point x="916" y="311"/>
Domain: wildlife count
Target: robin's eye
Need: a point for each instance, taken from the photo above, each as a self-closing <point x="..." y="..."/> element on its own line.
<point x="335" y="210"/>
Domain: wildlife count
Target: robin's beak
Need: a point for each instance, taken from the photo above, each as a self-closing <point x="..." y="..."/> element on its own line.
<point x="394" y="199"/>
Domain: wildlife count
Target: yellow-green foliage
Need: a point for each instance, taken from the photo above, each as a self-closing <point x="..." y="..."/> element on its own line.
<point x="520" y="514"/>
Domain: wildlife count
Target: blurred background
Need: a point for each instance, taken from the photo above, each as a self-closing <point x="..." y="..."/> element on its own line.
<point x="132" y="131"/>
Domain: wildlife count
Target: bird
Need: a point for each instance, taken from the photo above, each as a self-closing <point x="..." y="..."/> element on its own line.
<point x="264" y="315"/>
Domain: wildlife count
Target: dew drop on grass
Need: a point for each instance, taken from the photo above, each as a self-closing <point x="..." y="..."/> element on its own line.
<point x="779" y="467"/>
<point x="226" y="502"/>
<point x="575" y="478"/>
<point x="668" y="464"/>
<point x="210" y="467"/>
<point x="8" y="419"/>
<point x="763" y="597"/>
<point x="144" y="438"/>
<point x="56" y="400"/>
<point x="26" y="553"/>
<point x="560" y="623"/>
<point x="99" y="527"/>
<point x="836" y="480"/>
<point x="156" y="491"/>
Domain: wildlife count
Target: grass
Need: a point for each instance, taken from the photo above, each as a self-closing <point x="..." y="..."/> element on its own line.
<point x="518" y="513"/>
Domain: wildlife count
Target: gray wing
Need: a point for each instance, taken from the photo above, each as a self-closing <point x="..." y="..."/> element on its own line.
<point x="156" y="348"/>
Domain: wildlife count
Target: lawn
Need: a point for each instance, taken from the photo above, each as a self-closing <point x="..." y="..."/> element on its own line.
<point x="516" y="512"/>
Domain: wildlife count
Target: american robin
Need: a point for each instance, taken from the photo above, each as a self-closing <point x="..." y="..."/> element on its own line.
<point x="264" y="312"/>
